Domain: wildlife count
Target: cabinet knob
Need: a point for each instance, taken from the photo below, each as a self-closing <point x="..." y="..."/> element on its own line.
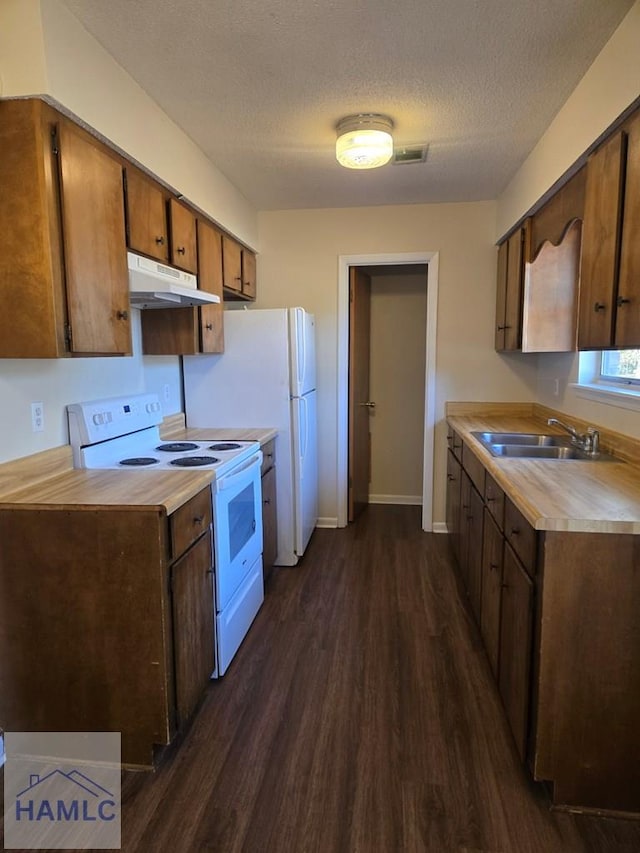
<point x="122" y="315"/>
<point x="515" y="531"/>
<point x="209" y="327"/>
<point x="599" y="306"/>
<point x="160" y="241"/>
<point x="490" y="500"/>
<point x="494" y="566"/>
<point x="198" y="519"/>
<point x="180" y="250"/>
<point x="502" y="328"/>
<point x="267" y="501"/>
<point x="622" y="301"/>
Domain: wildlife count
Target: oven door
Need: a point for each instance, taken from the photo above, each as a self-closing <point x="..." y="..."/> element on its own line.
<point x="237" y="526"/>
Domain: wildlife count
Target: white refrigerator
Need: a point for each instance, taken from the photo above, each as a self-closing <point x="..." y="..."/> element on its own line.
<point x="266" y="377"/>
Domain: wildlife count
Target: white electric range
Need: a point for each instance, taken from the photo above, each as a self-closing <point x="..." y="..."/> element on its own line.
<point x="123" y="433"/>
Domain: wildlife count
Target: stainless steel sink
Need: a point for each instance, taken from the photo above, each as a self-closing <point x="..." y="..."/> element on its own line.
<point x="523" y="438"/>
<point x="522" y="445"/>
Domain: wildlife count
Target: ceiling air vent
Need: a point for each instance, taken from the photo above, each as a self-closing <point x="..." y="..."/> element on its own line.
<point x="410" y="154"/>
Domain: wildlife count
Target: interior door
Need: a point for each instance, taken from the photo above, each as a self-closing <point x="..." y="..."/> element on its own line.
<point x="359" y="403"/>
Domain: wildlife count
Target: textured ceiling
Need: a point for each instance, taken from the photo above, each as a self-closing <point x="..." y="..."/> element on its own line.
<point x="259" y="86"/>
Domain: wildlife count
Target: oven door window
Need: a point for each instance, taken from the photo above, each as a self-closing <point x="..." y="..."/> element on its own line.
<point x="237" y="530"/>
<point x="241" y="518"/>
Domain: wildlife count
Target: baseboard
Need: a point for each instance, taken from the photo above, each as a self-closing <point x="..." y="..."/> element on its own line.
<point x="408" y="500"/>
<point x="439" y="527"/>
<point x="327" y="522"/>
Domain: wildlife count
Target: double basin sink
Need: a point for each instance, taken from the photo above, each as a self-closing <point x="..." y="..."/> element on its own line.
<point x="524" y="445"/>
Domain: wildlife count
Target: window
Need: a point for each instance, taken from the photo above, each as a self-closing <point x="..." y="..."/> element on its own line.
<point x="621" y="366"/>
<point x="611" y="377"/>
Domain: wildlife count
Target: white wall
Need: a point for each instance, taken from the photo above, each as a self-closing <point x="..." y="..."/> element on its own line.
<point x="397" y="371"/>
<point x="607" y="89"/>
<point x="298" y="265"/>
<point x="44" y="50"/>
<point x="610" y="85"/>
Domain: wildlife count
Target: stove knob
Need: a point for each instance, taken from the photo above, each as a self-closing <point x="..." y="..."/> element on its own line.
<point x="98" y="419"/>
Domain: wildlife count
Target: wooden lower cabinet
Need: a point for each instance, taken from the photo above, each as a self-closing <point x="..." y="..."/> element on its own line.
<point x="193" y="620"/>
<point x="492" y="559"/>
<point x="558" y="616"/>
<point x="269" y="509"/>
<point x="454" y="482"/>
<point x="516" y="625"/>
<point x="99" y="629"/>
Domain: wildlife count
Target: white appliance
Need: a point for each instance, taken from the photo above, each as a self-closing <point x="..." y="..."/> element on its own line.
<point x="123" y="433"/>
<point x="156" y="285"/>
<point x="266" y="377"/>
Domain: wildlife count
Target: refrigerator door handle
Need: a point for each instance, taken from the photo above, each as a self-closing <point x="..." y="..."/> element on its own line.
<point x="302" y="348"/>
<point x="304" y="416"/>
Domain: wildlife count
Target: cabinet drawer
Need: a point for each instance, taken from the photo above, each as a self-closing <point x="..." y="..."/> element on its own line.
<point x="494" y="499"/>
<point x="189" y="522"/>
<point x="268" y="456"/>
<point x="520" y="535"/>
<point x="474" y="468"/>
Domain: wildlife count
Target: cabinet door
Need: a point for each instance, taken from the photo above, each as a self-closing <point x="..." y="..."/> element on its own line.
<point x="627" y="332"/>
<point x="232" y="264"/>
<point x="193" y="625"/>
<point x="600" y="241"/>
<point x="513" y="299"/>
<point x="454" y="478"/>
<point x="501" y="295"/>
<point x="269" y="522"/>
<point x="516" y="625"/>
<point x="248" y="274"/>
<point x="210" y="279"/>
<point x="465" y="509"/>
<point x="183" y="237"/>
<point x="146" y="217"/>
<point x="512" y="254"/>
<point x="474" y="553"/>
<point x="492" y="551"/>
<point x="97" y="279"/>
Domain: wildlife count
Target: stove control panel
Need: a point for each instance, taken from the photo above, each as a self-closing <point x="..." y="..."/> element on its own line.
<point x="99" y="420"/>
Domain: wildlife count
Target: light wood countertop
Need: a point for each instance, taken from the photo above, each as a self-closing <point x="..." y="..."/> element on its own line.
<point x="48" y="480"/>
<point x="561" y="495"/>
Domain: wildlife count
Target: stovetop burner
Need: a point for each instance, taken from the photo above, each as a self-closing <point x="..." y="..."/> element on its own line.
<point x="136" y="461"/>
<point x="225" y="445"/>
<point x="194" y="461"/>
<point x="177" y="446"/>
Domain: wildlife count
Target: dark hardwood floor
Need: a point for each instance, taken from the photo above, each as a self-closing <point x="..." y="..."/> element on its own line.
<point x="359" y="716"/>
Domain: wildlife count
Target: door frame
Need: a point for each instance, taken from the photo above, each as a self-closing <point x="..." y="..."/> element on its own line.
<point x="431" y="259"/>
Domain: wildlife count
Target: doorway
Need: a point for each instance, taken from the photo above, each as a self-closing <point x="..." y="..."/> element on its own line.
<point x="404" y="261"/>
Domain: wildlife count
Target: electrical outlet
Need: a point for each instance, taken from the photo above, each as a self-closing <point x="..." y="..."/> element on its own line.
<point x="167" y="393"/>
<point x="37" y="417"/>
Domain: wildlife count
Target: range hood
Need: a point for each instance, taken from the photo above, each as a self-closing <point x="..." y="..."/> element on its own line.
<point x="156" y="285"/>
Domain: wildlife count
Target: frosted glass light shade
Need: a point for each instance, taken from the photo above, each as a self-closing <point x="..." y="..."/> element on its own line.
<point x="364" y="141"/>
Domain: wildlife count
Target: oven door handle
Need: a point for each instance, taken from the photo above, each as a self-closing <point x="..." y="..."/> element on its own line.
<point x="245" y="473"/>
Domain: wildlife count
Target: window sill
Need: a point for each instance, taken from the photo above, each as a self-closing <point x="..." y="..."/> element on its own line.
<point x="610" y="395"/>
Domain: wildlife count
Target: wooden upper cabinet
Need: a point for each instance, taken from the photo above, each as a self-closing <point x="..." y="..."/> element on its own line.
<point x="601" y="237"/>
<point x="627" y="330"/>
<point x="239" y="270"/>
<point x="94" y="245"/>
<point x="147" y="228"/>
<point x="249" y="274"/>
<point x="232" y="264"/>
<point x="183" y="237"/>
<point x="63" y="271"/>
<point x="210" y="279"/>
<point x="512" y="254"/>
<point x="189" y="331"/>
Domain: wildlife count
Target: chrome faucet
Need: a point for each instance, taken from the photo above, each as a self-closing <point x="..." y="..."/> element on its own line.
<point x="589" y="441"/>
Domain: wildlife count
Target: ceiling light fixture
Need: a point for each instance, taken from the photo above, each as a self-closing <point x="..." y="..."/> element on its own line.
<point x="364" y="141"/>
